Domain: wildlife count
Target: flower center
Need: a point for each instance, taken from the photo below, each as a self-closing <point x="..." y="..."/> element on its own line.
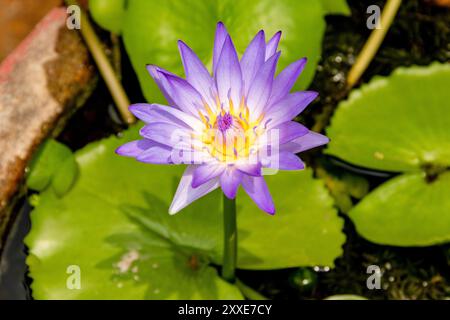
<point x="224" y="122"/>
<point x="228" y="134"/>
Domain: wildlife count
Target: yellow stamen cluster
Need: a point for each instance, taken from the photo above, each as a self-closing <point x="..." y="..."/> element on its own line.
<point x="234" y="142"/>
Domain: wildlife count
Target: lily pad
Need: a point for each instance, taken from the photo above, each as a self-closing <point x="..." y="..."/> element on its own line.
<point x="345" y="297"/>
<point x="54" y="164"/>
<point x="151" y="29"/>
<point x="108" y="13"/>
<point x="114" y="224"/>
<point x="305" y="231"/>
<point x="92" y="228"/>
<point x="336" y="7"/>
<point x="400" y="123"/>
<point x="406" y="211"/>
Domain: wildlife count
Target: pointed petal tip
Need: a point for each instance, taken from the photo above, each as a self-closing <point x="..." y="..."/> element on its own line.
<point x="135" y="106"/>
<point x="119" y="151"/>
<point x="173" y="211"/>
<point x="154" y="70"/>
<point x="151" y="68"/>
<point x="221" y="28"/>
<point x="320" y="139"/>
<point x="124" y="151"/>
<point x="301" y="63"/>
<point x="314" y="94"/>
<point x="230" y="196"/>
<point x="175" y="207"/>
<point x="276" y="37"/>
<point x="182" y="44"/>
<point x="140" y="110"/>
<point x="268" y="208"/>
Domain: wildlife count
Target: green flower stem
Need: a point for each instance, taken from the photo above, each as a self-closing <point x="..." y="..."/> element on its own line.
<point x="373" y="43"/>
<point x="248" y="292"/>
<point x="104" y="66"/>
<point x="230" y="240"/>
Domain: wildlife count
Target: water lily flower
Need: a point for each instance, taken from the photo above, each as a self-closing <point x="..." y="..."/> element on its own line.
<point x="228" y="127"/>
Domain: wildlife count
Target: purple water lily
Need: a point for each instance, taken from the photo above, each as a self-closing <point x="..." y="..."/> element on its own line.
<point x="228" y="127"/>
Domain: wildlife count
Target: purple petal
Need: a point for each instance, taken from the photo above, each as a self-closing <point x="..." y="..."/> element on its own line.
<point x="166" y="133"/>
<point x="289" y="131"/>
<point x="250" y="169"/>
<point x="206" y="172"/>
<point x="257" y="190"/>
<point x="286" y="161"/>
<point x="186" y="154"/>
<point x="185" y="194"/>
<point x="157" y="154"/>
<point x="306" y="142"/>
<point x="221" y="35"/>
<point x="197" y="74"/>
<point x="253" y="59"/>
<point x="230" y="181"/>
<point x="141" y="111"/>
<point x="134" y="148"/>
<point x="272" y="45"/>
<point x="289" y="107"/>
<point x="228" y="74"/>
<point x="151" y="113"/>
<point x="183" y="95"/>
<point x="284" y="82"/>
<point x="161" y="81"/>
<point x="261" y="87"/>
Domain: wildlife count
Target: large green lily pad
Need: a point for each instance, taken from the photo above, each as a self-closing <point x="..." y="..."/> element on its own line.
<point x="406" y="211"/>
<point x="114" y="224"/>
<point x="151" y="29"/>
<point x="400" y="123"/>
<point x="305" y="231"/>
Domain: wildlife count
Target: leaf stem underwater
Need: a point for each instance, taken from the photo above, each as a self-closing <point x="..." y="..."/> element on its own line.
<point x="106" y="70"/>
<point x="374" y="42"/>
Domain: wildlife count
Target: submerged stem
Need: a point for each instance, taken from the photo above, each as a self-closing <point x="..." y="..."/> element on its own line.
<point x="230" y="240"/>
<point x="104" y="66"/>
<point x="373" y="43"/>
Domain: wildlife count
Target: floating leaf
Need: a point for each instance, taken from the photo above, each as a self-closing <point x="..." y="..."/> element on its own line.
<point x="118" y="208"/>
<point x="345" y="297"/>
<point x="400" y="123"/>
<point x="54" y="164"/>
<point x="336" y="7"/>
<point x="108" y="13"/>
<point x="151" y="29"/>
<point x="305" y="231"/>
<point x="92" y="228"/>
<point x="406" y="211"/>
<point x="65" y="177"/>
